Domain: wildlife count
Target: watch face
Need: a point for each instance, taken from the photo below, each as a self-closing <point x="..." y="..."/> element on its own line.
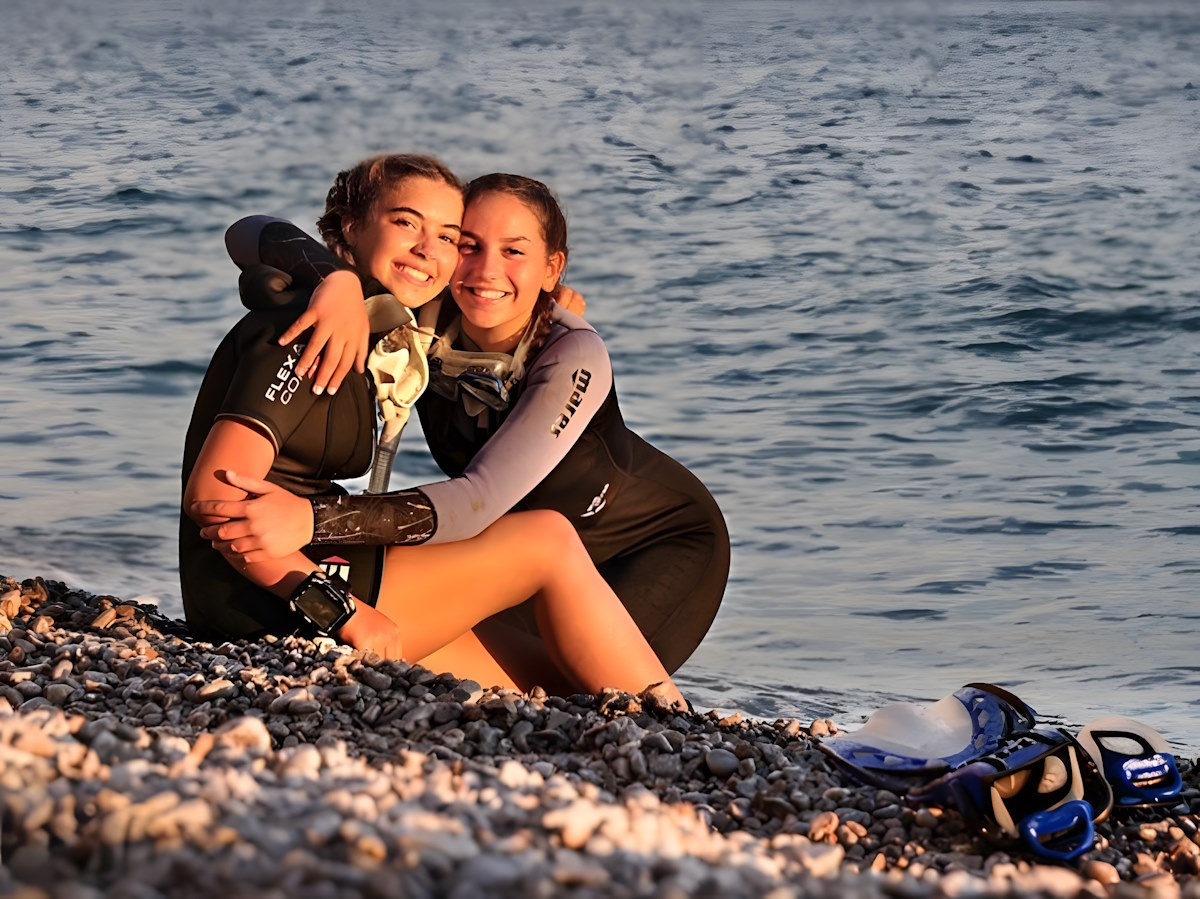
<point x="320" y="608"/>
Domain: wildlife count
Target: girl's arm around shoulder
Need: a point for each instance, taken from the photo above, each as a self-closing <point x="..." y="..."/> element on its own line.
<point x="266" y="240"/>
<point x="565" y="385"/>
<point x="242" y="237"/>
<point x="335" y="312"/>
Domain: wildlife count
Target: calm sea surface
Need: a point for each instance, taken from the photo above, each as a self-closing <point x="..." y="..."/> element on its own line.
<point x="914" y="288"/>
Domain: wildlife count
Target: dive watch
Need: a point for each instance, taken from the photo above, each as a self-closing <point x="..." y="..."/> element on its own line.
<point x="324" y="600"/>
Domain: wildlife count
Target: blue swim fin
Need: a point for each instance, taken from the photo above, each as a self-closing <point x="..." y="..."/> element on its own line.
<point x="1038" y="787"/>
<point x="1135" y="760"/>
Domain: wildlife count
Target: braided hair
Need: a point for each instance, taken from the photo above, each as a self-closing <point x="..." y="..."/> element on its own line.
<point x="354" y="192"/>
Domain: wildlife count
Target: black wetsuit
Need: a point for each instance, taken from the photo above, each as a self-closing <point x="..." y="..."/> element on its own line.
<point x="317" y="439"/>
<point x="653" y="530"/>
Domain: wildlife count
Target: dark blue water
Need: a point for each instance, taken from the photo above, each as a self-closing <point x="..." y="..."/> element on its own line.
<point x="913" y="287"/>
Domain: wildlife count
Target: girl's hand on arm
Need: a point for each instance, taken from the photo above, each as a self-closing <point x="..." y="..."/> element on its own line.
<point x="338" y="317"/>
<point x="268" y="523"/>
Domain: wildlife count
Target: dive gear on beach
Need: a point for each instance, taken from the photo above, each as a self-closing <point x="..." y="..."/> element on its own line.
<point x="323" y="600"/>
<point x="979" y="751"/>
<point x="1134" y="759"/>
<point x="1037" y="786"/>
<point x="902" y="745"/>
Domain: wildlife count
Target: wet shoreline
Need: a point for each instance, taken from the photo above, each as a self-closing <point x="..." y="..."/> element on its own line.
<point x="135" y="761"/>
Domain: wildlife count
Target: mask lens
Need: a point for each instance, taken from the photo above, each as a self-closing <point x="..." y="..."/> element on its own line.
<point x="486" y="388"/>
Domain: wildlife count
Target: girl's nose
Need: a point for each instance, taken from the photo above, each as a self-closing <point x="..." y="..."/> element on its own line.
<point x="424" y="244"/>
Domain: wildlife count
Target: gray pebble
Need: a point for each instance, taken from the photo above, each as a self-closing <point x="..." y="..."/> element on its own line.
<point x="721" y="762"/>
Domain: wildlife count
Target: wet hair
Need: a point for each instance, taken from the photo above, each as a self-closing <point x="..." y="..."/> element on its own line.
<point x="540" y="200"/>
<point x="355" y="191"/>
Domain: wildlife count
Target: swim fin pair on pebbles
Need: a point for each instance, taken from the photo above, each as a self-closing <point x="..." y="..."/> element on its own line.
<point x="979" y="750"/>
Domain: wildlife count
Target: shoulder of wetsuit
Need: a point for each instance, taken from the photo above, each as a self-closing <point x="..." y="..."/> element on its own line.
<point x="265" y="287"/>
<point x="286" y="247"/>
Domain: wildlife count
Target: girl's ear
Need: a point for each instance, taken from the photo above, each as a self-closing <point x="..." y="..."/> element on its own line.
<point x="554" y="269"/>
<point x="348" y="237"/>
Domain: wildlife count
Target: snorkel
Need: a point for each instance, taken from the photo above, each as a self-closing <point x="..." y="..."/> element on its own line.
<point x="400" y="372"/>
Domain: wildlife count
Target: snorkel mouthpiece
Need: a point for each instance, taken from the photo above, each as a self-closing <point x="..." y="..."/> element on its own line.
<point x="401" y="373"/>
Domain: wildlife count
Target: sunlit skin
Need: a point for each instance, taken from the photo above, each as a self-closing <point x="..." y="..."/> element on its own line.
<point x="409" y="242"/>
<point x="504" y="264"/>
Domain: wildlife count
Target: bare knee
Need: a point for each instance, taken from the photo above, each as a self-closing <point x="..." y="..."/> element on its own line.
<point x="555" y="536"/>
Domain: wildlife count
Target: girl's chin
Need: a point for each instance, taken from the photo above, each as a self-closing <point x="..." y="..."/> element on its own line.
<point x="482" y="314"/>
<point x="412" y="298"/>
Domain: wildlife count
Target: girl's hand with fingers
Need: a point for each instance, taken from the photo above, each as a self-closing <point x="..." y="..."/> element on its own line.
<point x="338" y="317"/>
<point x="269" y="524"/>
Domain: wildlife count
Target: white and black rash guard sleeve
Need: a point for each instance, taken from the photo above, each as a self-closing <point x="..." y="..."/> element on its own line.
<point x="566" y="384"/>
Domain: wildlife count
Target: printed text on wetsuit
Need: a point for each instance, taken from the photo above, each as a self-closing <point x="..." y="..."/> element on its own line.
<point x="582" y="377"/>
<point x="286" y="383"/>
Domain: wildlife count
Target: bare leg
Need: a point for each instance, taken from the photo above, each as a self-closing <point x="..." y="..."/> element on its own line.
<point x="435" y="594"/>
<point x="467" y="656"/>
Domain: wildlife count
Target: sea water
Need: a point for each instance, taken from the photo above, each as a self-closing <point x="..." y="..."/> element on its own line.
<point x="913" y="287"/>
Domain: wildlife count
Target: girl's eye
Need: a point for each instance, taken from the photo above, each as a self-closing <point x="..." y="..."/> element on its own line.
<point x="403" y="222"/>
<point x="466" y="246"/>
<point x="450" y="239"/>
<point x="514" y="252"/>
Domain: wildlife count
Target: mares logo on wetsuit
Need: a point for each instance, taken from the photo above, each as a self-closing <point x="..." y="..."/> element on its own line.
<point x="582" y="377"/>
<point x="286" y="383"/>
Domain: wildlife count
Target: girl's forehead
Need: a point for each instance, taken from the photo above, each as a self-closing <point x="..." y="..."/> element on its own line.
<point x="423" y="195"/>
<point x="497" y="208"/>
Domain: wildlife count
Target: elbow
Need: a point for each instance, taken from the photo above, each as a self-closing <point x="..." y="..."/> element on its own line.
<point x="241" y="239"/>
<point x="202" y="487"/>
<point x="192" y="495"/>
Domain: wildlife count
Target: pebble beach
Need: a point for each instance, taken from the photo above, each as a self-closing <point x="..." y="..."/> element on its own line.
<point x="137" y="762"/>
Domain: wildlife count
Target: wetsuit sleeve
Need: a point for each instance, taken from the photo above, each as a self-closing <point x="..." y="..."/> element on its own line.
<point x="566" y="384"/>
<point x="281" y="245"/>
<point x="400" y="518"/>
<point x="264" y="390"/>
